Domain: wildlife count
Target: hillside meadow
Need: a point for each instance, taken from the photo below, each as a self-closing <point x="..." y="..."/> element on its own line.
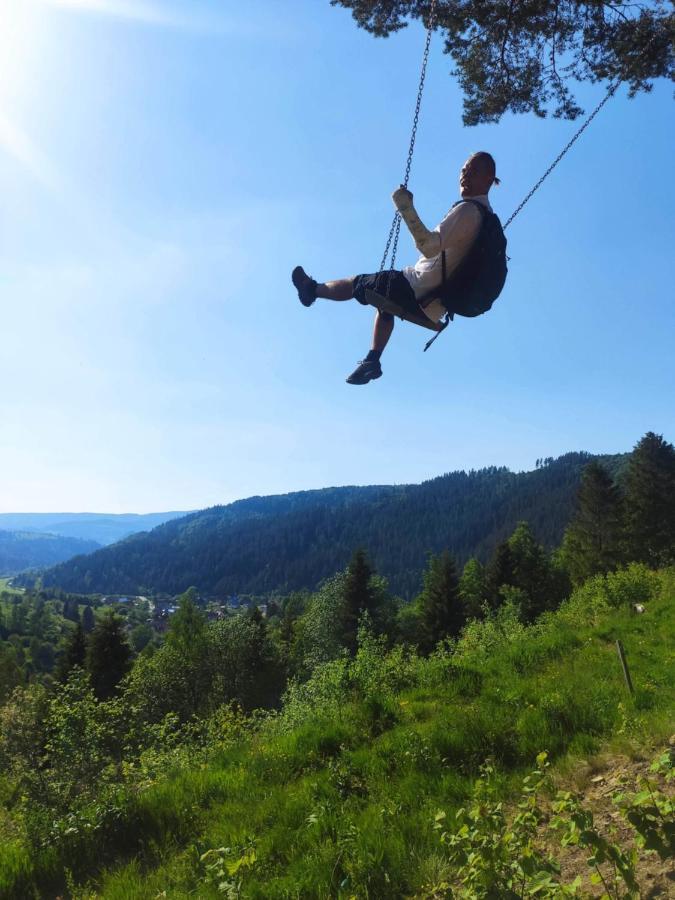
<point x="352" y="787"/>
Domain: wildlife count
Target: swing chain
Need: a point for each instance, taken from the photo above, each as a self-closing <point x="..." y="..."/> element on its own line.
<point x="420" y="91"/>
<point x="610" y="93"/>
<point x="395" y="230"/>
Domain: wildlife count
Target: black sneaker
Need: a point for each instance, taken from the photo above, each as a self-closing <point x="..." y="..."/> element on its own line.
<point x="305" y="286"/>
<point x="367" y="370"/>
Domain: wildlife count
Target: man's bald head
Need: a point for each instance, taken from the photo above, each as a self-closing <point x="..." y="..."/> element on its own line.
<point x="478" y="175"/>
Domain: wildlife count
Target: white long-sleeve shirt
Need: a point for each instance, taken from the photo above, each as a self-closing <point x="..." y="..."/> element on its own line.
<point x="457" y="232"/>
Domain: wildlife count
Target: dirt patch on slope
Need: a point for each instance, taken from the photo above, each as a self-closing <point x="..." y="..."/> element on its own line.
<point x="598" y="782"/>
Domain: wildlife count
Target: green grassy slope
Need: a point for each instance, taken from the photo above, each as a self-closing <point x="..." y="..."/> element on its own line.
<point x="337" y="795"/>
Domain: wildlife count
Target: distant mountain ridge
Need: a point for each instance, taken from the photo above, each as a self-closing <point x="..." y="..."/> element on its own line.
<point x="288" y="542"/>
<point x="21" y="550"/>
<point x="103" y="528"/>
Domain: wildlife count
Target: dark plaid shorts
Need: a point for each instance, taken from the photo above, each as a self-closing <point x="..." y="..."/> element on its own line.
<point x="400" y="290"/>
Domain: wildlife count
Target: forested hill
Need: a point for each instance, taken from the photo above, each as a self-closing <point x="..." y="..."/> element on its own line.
<point x="293" y="541"/>
<point x="101" y="528"/>
<point x="24" y="550"/>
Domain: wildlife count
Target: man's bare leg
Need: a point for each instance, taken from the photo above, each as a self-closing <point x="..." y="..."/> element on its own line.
<point x="369" y="368"/>
<point x="342" y="289"/>
<point x="384" y="325"/>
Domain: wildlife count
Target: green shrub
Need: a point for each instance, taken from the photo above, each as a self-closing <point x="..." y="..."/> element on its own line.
<point x="634" y="584"/>
<point x="492" y="854"/>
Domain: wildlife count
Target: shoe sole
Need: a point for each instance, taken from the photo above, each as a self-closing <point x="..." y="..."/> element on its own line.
<point x="371" y="378"/>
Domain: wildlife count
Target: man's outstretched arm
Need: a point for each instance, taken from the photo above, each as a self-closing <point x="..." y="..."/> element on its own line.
<point x="427" y="242"/>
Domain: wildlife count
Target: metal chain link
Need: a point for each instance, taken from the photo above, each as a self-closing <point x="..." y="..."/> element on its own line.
<point x="610" y="93"/>
<point x="395" y="230"/>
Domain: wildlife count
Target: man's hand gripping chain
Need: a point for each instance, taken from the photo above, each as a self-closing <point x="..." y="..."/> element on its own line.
<point x="427" y="242"/>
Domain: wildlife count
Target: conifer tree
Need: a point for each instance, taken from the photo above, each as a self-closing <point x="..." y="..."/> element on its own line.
<point x="258" y="619"/>
<point x="650" y="501"/>
<point x="10" y="671"/>
<point x="88" y="619"/>
<point x="108" y="655"/>
<point x="187" y="637"/>
<point x="74" y="654"/>
<point x="593" y="541"/>
<point x="293" y="607"/>
<point x="187" y="625"/>
<point x="473" y="589"/>
<point x="522" y="563"/>
<point x="38" y="618"/>
<point x="532" y="573"/>
<point x="508" y="56"/>
<point x="70" y="610"/>
<point x="358" y="597"/>
<point x="500" y="572"/>
<point x="441" y="610"/>
<point x="18" y="617"/>
<point x="273" y="610"/>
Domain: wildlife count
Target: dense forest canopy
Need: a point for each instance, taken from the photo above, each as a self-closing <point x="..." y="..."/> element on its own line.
<point x="278" y="544"/>
<point x="525" y="55"/>
<point x="21" y="550"/>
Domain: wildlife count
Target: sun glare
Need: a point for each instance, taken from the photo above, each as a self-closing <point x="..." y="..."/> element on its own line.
<point x="21" y="28"/>
<point x="133" y="10"/>
<point x="27" y="33"/>
<point x="19" y="22"/>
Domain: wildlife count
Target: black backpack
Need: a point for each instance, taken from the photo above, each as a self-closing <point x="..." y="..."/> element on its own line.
<point x="479" y="278"/>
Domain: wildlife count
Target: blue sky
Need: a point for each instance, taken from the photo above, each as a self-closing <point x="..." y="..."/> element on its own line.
<point x="164" y="165"/>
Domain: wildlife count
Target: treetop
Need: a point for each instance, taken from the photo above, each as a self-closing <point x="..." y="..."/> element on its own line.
<point x="524" y="56"/>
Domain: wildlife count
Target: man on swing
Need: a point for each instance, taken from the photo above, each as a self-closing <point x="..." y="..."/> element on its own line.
<point x="412" y="289"/>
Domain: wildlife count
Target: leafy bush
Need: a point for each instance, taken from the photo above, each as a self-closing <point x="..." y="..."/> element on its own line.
<point x="499" y="851"/>
<point x="624" y="588"/>
<point x="482" y="639"/>
<point x="650" y="810"/>
<point x="492" y="854"/>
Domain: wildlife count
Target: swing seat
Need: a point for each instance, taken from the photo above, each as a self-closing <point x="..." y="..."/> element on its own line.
<point x="386" y="304"/>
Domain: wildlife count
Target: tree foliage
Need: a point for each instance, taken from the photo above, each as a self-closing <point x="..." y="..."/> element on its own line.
<point x="473" y="589"/>
<point x="186" y="626"/>
<point x="74" y="654"/>
<point x="499" y="572"/>
<point x="20" y="550"/>
<point x="441" y="611"/>
<point x="88" y="619"/>
<point x="108" y="656"/>
<point x="294" y="542"/>
<point x="593" y="541"/>
<point x="525" y="56"/>
<point x="523" y="572"/>
<point x="235" y="661"/>
<point x="330" y="623"/>
<point x="11" y="675"/>
<point x="359" y="597"/>
<point x="650" y="501"/>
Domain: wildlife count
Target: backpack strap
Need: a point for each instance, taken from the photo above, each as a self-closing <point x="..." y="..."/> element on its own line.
<point x="449" y="316"/>
<point x="434" y="291"/>
<point x="481" y="207"/>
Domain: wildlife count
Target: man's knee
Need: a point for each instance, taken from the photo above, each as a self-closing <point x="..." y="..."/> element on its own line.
<point x="385" y="316"/>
